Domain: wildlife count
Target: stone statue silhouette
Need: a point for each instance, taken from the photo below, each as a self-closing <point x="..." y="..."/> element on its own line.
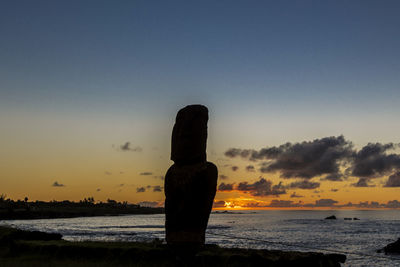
<point x="191" y="182"/>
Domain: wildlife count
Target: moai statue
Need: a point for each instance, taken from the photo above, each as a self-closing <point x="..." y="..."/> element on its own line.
<point x="190" y="183"/>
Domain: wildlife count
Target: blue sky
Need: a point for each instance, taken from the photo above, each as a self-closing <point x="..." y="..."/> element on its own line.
<point x="301" y="54"/>
<point x="269" y="71"/>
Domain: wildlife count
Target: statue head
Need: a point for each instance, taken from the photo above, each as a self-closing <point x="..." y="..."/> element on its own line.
<point x="189" y="136"/>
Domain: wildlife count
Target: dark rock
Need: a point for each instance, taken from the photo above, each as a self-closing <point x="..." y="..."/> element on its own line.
<point x="65" y="253"/>
<point x="35" y="235"/>
<point x="13" y="234"/>
<point x="391" y="248"/>
<point x="333" y="217"/>
<point x="191" y="183"/>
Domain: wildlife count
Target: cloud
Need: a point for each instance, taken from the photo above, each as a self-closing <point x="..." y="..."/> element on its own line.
<point x="157" y="188"/>
<point x="308" y="159"/>
<point x="159" y="177"/>
<point x="394" y="204"/>
<point x="326" y="158"/>
<point x="234" y="168"/>
<point x="234" y="152"/>
<point x="284" y="204"/>
<point x="321" y="203"/>
<point x="225" y="187"/>
<point x="304" y="184"/>
<point x="146" y="173"/>
<point x="362" y="182"/>
<point x="56" y="184"/>
<point x="370" y="205"/>
<point x="250" y="168"/>
<point x="325" y="202"/>
<point x="334" y="177"/>
<point x="393" y="180"/>
<point x="294" y="195"/>
<point x="372" y="161"/>
<point x="127" y="147"/>
<point x="140" y="190"/>
<point x="254" y="205"/>
<point x="219" y="204"/>
<point x="262" y="188"/>
<point x="223" y="177"/>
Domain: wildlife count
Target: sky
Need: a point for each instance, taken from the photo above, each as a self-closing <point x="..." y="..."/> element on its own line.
<point x="89" y="91"/>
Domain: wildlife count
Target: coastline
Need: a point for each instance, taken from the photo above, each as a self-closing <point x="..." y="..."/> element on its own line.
<point x="20" y="210"/>
<point x="26" y="248"/>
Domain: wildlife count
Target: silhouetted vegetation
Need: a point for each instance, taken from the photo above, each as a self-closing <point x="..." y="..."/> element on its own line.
<point x="21" y="250"/>
<point x="23" y="209"/>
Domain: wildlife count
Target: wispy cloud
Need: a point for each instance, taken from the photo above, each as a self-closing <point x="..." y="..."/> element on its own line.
<point x="223" y="177"/>
<point x="57" y="184"/>
<point x="127" y="147"/>
<point x="225" y="187"/>
<point x="157" y="188"/>
<point x="146" y="173"/>
<point x="294" y="195"/>
<point x="250" y="168"/>
<point x="140" y="190"/>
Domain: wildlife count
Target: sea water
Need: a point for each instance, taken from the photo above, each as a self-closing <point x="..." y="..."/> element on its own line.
<point x="301" y="230"/>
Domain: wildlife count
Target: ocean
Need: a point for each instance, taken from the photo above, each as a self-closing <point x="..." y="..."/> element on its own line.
<point x="301" y="230"/>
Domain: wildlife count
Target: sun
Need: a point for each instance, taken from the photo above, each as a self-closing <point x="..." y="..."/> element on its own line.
<point x="229" y="204"/>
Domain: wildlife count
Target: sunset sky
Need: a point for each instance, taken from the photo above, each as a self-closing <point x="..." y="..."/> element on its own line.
<point x="303" y="99"/>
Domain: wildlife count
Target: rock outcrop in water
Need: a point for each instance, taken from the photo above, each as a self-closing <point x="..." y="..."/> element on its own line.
<point x="191" y="182"/>
<point x="391" y="248"/>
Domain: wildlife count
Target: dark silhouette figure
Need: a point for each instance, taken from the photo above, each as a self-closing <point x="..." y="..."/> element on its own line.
<point x="190" y="184"/>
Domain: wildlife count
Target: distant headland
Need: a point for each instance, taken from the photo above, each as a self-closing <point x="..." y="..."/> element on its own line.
<point x="24" y="209"/>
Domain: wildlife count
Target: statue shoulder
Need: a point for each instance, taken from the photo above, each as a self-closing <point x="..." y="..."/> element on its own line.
<point x="211" y="168"/>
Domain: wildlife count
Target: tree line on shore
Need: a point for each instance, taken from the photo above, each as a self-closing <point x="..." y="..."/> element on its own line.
<point x="25" y="209"/>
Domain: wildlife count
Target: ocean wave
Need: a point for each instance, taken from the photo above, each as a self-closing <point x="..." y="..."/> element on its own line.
<point x="129" y="226"/>
<point x="218" y="227"/>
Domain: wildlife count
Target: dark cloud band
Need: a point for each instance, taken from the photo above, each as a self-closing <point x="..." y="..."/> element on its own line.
<point x="330" y="158"/>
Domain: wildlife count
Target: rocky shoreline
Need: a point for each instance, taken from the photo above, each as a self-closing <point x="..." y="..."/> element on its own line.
<point x="25" y="248"/>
